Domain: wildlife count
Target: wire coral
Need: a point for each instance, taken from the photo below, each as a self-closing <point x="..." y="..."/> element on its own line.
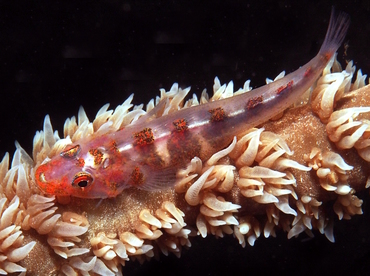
<point x="283" y="175"/>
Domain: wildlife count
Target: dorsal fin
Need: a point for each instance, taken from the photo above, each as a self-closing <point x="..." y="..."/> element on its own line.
<point x="154" y="113"/>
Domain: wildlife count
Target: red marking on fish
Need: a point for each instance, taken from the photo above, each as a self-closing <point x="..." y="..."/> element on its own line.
<point x="180" y="125"/>
<point x="113" y="146"/>
<point x="80" y="162"/>
<point x="98" y="156"/>
<point x="144" y="137"/>
<point x="284" y="87"/>
<point x="217" y="114"/>
<point x="137" y="177"/>
<point x="307" y="72"/>
<point x="252" y="103"/>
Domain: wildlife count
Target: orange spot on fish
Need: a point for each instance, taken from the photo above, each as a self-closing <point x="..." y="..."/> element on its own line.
<point x="180" y="125"/>
<point x="144" y="137"/>
<point x="80" y="162"/>
<point x="325" y="57"/>
<point x="137" y="177"/>
<point x="307" y="72"/>
<point x="113" y="146"/>
<point x="252" y="103"/>
<point x="71" y="152"/>
<point x="98" y="156"/>
<point x="217" y="114"/>
<point x="284" y="87"/>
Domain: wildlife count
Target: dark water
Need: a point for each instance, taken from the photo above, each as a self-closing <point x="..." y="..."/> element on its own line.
<point x="56" y="56"/>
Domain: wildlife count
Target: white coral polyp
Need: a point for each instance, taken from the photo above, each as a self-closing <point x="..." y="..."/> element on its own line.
<point x="347" y="131"/>
<point x="309" y="216"/>
<point x="249" y="228"/>
<point x="331" y="87"/>
<point x="63" y="237"/>
<point x="331" y="170"/>
<point x="347" y="205"/>
<point x="12" y="249"/>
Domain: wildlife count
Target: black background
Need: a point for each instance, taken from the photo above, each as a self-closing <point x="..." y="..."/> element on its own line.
<point x="56" y="56"/>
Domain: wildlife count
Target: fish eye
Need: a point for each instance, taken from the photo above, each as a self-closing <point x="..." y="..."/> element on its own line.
<point x="82" y="180"/>
<point x="71" y="152"/>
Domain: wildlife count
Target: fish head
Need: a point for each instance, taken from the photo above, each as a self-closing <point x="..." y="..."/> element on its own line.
<point x="77" y="172"/>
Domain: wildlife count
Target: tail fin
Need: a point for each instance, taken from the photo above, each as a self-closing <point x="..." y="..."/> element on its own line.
<point x="338" y="26"/>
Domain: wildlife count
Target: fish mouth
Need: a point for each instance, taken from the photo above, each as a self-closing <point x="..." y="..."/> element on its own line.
<point x="42" y="178"/>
